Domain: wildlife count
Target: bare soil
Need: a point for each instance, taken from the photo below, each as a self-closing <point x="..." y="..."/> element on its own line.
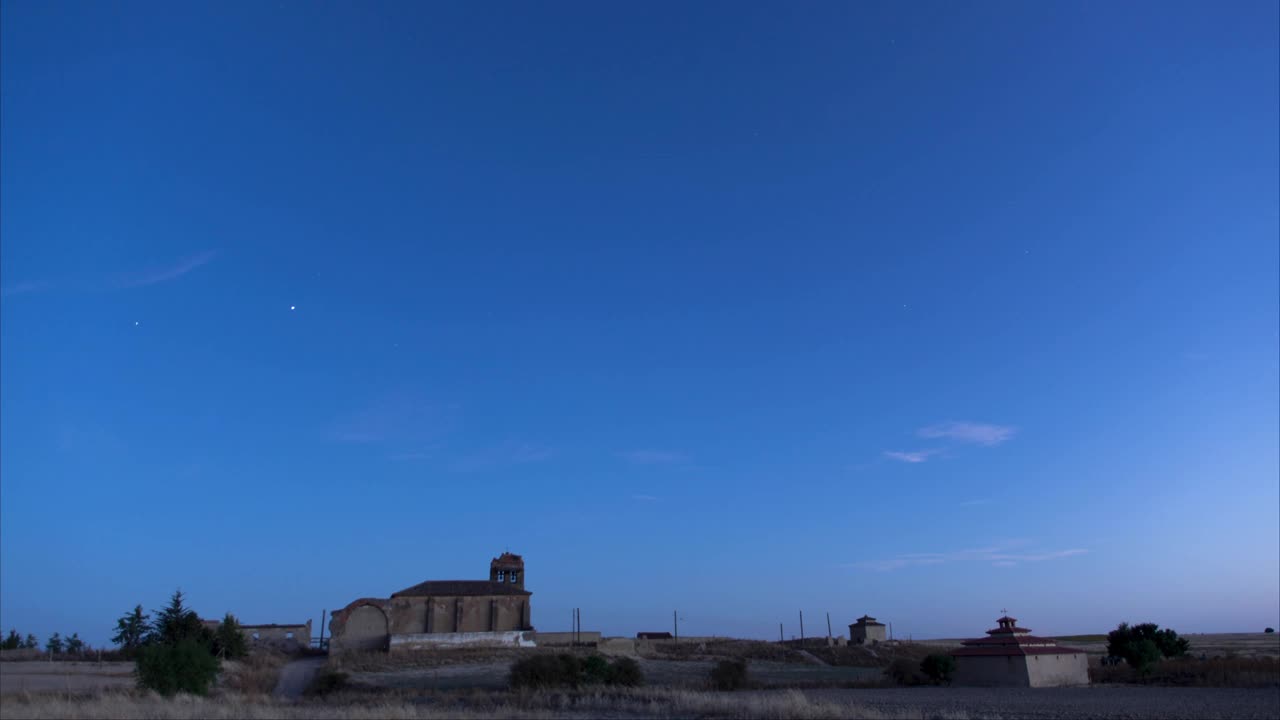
<point x="44" y="676"/>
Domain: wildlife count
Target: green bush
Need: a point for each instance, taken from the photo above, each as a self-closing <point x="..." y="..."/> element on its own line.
<point x="729" y="675"/>
<point x="905" y="671"/>
<point x="185" y="666"/>
<point x="228" y="639"/>
<point x="938" y="667"/>
<point x="625" y="671"/>
<point x="595" y="669"/>
<point x="1130" y="642"/>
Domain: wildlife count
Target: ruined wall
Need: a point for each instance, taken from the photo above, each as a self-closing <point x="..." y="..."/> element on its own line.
<point x="587" y="637"/>
<point x="289" y="638"/>
<point x="438" y="641"/>
<point x="992" y="671"/>
<point x="1067" y="670"/>
<point x="866" y="634"/>
<point x="369" y="623"/>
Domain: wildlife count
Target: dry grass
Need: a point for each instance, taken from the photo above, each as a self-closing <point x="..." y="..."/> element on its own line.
<point x="257" y="674"/>
<point x="1230" y="672"/>
<point x="621" y="703"/>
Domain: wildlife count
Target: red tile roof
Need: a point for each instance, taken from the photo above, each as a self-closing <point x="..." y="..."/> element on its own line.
<point x="1014" y="650"/>
<point x="1011" y="640"/>
<point x="460" y="587"/>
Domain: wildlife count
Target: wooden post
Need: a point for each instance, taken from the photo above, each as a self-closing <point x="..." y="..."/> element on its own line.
<point x="828" y="629"/>
<point x="780" y="633"/>
<point x="324" y="613"/>
<point x="801" y="628"/>
<point x="675" y="625"/>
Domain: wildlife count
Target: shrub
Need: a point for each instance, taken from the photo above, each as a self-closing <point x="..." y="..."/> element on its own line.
<point x="185" y="666"/>
<point x="1269" y="630"/>
<point x="625" y="671"/>
<point x="729" y="675"/>
<point x="905" y="672"/>
<point x="545" y="671"/>
<point x="938" y="667"/>
<point x="1130" y="642"/>
<point x="228" y="639"/>
<point x="326" y="682"/>
<point x="595" y="669"/>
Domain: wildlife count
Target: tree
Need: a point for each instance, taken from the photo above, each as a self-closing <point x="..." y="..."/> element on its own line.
<point x="12" y="642"/>
<point x="1269" y="630"/>
<point x="177" y="622"/>
<point x="938" y="667"/>
<point x="132" y="631"/>
<point x="31" y="643"/>
<point x="54" y="644"/>
<point x="184" y="666"/>
<point x="228" y="639"/>
<point x="75" y="644"/>
<point x="1130" y="642"/>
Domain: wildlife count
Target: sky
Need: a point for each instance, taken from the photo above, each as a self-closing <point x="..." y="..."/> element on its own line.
<point x="734" y="310"/>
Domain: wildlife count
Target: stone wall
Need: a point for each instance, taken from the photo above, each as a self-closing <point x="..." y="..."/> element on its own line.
<point x="991" y="671"/>
<point x="411" y="642"/>
<point x="1067" y="670"/>
<point x="369" y="623"/>
<point x="567" y="638"/>
<point x="290" y="638"/>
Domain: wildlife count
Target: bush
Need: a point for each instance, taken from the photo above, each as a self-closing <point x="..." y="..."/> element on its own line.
<point x="185" y="666"/>
<point x="1269" y="630"/>
<point x="595" y="669"/>
<point x="729" y="675"/>
<point x="625" y="671"/>
<point x="228" y="639"/>
<point x="905" y="672"/>
<point x="1131" y="643"/>
<point x="938" y="667"/>
<point x="327" y="682"/>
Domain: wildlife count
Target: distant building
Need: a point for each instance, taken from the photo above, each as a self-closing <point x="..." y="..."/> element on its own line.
<point x="289" y="638"/>
<point x="866" y="631"/>
<point x="653" y="636"/>
<point x="1012" y="656"/>
<point x="441" y="613"/>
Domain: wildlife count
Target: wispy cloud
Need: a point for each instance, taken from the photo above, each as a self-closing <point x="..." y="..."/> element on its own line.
<point x="21" y="289"/>
<point x="997" y="555"/>
<point x="915" y="456"/>
<point x="644" y="498"/>
<point x="166" y="273"/>
<point x="406" y="419"/>
<point x="969" y="432"/>
<point x="653" y="457"/>
<point x="503" y="456"/>
<point x="971" y="503"/>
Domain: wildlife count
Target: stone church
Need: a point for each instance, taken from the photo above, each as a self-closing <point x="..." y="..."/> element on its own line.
<point x="441" y="613"/>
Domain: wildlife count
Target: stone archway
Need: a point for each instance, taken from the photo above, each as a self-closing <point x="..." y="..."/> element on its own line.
<point x="366" y="629"/>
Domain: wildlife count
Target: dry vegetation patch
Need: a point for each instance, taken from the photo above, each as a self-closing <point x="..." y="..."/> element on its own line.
<point x="1225" y="672"/>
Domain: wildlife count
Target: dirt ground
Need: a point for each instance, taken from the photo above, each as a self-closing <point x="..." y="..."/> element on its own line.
<point x="1104" y="702"/>
<point x="43" y="676"/>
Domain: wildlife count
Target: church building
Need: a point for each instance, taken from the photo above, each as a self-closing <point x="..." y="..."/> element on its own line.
<point x="438" y="613"/>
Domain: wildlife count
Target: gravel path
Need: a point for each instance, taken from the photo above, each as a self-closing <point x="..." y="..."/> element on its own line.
<point x="1127" y="703"/>
<point x="296" y="676"/>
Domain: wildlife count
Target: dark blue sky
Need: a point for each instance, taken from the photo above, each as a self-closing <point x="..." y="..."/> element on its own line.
<point x="734" y="308"/>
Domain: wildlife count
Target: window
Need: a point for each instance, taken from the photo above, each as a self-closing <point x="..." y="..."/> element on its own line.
<point x="514" y="576"/>
<point x="288" y="635"/>
<point x="501" y="577"/>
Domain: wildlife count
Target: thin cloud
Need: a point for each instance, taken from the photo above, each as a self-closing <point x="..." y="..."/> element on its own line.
<point x="503" y="456"/>
<point x="644" y="498"/>
<point x="653" y="457"/>
<point x="969" y="432"/>
<point x="22" y="289"/>
<point x="165" y="274"/>
<point x="997" y="555"/>
<point x="915" y="456"/>
<point x="971" y="503"/>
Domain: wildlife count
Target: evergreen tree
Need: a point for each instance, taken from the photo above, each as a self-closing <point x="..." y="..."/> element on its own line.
<point x="75" y="644"/>
<point x="177" y="622"/>
<point x="132" y="631"/>
<point x="54" y="645"/>
<point x="31" y="643"/>
<point x="228" y="639"/>
<point x="12" y="642"/>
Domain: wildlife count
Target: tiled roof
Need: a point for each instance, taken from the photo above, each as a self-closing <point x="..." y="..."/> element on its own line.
<point x="460" y="587"/>
<point x="1014" y="650"/>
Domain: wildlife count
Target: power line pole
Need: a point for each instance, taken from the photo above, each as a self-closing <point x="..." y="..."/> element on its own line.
<point x="780" y="639"/>
<point x="828" y="629"/>
<point x="801" y="628"/>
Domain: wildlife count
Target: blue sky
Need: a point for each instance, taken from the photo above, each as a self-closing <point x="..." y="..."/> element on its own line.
<point x="918" y="310"/>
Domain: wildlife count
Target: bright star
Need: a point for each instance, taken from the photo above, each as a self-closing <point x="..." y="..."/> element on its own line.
<point x="293" y="307"/>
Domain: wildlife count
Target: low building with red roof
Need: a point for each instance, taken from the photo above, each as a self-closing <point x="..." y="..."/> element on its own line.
<point x="1011" y="656"/>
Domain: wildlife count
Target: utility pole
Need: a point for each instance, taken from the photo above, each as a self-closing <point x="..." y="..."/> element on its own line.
<point x="801" y="628"/>
<point x="675" y="625"/>
<point x="780" y="639"/>
<point x="828" y="629"/>
<point x="323" y="614"/>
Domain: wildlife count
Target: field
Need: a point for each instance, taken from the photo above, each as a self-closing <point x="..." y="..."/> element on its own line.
<point x="786" y="682"/>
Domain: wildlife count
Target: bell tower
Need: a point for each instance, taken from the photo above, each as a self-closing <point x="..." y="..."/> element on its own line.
<point x="507" y="569"/>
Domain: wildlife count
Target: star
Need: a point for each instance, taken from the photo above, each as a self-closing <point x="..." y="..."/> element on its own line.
<point x="293" y="307"/>
<point x="135" y="322"/>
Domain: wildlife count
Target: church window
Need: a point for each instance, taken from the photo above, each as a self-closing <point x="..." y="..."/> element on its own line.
<point x="514" y="576"/>
<point x="500" y="577"/>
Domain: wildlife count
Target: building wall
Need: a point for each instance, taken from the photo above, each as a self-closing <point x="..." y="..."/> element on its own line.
<point x="369" y="623"/>
<point x="435" y="641"/>
<point x="1067" y="670"/>
<point x="281" y="637"/>
<point x="997" y="671"/>
<point x="864" y="634"/>
<point x="588" y="637"/>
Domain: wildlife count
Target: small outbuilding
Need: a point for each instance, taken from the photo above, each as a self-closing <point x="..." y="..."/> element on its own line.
<point x="866" y="631"/>
<point x="1011" y="656"/>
